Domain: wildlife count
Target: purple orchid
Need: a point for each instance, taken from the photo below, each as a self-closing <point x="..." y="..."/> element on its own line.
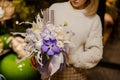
<point x="50" y="46"/>
<point x="45" y="34"/>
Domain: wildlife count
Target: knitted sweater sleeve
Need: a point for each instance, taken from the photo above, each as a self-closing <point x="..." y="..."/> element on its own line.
<point x="93" y="48"/>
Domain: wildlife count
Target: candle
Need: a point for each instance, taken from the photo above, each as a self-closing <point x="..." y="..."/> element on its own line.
<point x="47" y="11"/>
<point x="52" y="17"/>
<point x="46" y="16"/>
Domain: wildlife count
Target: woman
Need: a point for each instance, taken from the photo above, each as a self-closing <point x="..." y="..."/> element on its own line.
<point x="80" y="17"/>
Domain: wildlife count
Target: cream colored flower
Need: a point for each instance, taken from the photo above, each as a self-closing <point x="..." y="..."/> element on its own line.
<point x="60" y="44"/>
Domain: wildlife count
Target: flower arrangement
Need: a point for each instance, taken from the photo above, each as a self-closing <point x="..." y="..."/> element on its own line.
<point x="48" y="43"/>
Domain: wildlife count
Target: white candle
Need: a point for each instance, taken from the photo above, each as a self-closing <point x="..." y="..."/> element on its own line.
<point x="52" y="17"/>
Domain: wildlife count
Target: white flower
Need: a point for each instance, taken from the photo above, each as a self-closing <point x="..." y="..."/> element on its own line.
<point x="51" y="27"/>
<point x="60" y="44"/>
<point x="38" y="44"/>
<point x="60" y="33"/>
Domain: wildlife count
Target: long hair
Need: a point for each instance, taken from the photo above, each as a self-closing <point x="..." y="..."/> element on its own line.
<point x="91" y="8"/>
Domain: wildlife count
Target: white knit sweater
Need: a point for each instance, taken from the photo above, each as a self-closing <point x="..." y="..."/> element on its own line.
<point x="88" y="48"/>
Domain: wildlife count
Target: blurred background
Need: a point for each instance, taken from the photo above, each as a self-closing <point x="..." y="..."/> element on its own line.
<point x="12" y="12"/>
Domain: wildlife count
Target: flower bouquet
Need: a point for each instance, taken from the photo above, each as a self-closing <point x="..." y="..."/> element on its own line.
<point x="48" y="44"/>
